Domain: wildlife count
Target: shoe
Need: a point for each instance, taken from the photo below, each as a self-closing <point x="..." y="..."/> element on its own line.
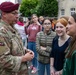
<point x="30" y="67"/>
<point x="34" y="70"/>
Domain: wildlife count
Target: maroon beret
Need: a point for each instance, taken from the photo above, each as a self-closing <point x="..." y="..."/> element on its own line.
<point x="8" y="7"/>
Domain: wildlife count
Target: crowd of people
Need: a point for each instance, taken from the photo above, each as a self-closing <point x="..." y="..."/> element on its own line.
<point x="46" y="45"/>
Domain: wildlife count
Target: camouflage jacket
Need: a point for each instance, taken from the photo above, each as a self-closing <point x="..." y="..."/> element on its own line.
<point x="11" y="50"/>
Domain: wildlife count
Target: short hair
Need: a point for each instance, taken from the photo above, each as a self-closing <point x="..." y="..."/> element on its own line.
<point x="20" y="18"/>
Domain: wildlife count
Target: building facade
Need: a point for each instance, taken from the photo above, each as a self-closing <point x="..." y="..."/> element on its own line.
<point x="18" y="1"/>
<point x="66" y="7"/>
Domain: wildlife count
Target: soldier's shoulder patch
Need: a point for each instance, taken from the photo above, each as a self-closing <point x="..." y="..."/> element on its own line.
<point x="3" y="47"/>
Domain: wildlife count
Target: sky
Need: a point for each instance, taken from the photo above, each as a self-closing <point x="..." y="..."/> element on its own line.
<point x="7" y="0"/>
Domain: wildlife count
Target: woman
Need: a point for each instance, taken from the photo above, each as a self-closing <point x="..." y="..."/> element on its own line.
<point x="41" y="19"/>
<point x="43" y="47"/>
<point x="70" y="61"/>
<point x="31" y="31"/>
<point x="60" y="43"/>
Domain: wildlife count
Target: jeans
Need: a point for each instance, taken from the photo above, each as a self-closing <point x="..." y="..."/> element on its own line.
<point x="32" y="46"/>
<point x="24" y="42"/>
<point x="42" y="68"/>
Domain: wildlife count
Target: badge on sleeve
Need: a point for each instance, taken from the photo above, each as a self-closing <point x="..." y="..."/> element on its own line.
<point x="2" y="44"/>
<point x="3" y="47"/>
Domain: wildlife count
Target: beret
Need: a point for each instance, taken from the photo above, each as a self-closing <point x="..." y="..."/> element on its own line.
<point x="8" y="7"/>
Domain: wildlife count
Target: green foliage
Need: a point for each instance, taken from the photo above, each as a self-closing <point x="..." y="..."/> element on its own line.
<point x="48" y="8"/>
<point x="40" y="7"/>
<point x="27" y="7"/>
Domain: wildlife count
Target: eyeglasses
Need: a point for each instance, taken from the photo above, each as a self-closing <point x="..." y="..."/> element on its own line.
<point x="14" y="13"/>
<point x="47" y="23"/>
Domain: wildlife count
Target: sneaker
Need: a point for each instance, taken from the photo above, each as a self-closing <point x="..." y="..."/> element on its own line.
<point x="34" y="70"/>
<point x="30" y="67"/>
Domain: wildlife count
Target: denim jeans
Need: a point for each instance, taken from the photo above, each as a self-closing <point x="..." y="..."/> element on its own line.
<point x="24" y="42"/>
<point x="32" y="46"/>
<point x="42" y="68"/>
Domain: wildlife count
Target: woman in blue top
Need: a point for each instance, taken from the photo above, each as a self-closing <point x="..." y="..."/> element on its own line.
<point x="60" y="43"/>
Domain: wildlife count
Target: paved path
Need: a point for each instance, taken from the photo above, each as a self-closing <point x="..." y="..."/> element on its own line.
<point x="30" y="70"/>
<point x="32" y="74"/>
<point x="35" y="73"/>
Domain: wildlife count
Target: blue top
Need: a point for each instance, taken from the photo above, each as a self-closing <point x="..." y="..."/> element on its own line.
<point x="58" y="53"/>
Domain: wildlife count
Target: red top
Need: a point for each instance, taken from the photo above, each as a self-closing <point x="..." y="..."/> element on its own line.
<point x="31" y="31"/>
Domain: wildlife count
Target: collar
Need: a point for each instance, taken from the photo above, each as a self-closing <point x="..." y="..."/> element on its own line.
<point x="7" y="26"/>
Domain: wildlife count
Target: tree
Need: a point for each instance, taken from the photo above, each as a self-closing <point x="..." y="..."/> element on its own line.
<point x="40" y="7"/>
<point x="27" y="7"/>
<point x="48" y="8"/>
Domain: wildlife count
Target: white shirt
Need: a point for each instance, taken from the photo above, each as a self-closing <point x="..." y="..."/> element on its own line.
<point x="21" y="30"/>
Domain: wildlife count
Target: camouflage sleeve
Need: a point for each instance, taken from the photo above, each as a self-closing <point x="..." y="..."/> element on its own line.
<point x="8" y="61"/>
<point x="39" y="50"/>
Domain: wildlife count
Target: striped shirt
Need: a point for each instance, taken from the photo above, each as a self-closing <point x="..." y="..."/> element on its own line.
<point x="44" y="40"/>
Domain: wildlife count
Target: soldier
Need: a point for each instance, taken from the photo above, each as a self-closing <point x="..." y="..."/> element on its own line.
<point x="13" y="57"/>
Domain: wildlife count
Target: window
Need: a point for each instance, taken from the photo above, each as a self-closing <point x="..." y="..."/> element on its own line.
<point x="62" y="12"/>
<point x="72" y="10"/>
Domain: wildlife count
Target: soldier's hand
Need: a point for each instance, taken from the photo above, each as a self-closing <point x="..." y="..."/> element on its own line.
<point x="28" y="50"/>
<point x="27" y="57"/>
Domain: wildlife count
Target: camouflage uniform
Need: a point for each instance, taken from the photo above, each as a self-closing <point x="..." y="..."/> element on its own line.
<point x="11" y="50"/>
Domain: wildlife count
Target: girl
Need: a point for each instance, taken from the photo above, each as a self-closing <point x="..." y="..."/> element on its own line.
<point x="43" y="47"/>
<point x="60" y="43"/>
<point x="31" y="31"/>
<point x="70" y="61"/>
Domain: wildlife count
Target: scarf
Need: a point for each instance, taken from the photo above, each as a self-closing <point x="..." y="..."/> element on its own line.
<point x="20" y="23"/>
